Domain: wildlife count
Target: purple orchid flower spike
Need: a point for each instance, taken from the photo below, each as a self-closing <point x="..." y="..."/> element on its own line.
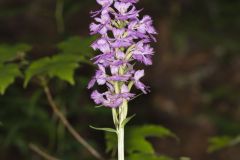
<point x="124" y="40"/>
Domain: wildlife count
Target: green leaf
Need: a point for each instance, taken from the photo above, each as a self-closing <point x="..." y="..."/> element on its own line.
<point x="78" y="46"/>
<point x="8" y="73"/>
<point x="100" y="106"/>
<point x="141" y="156"/>
<point x="139" y="144"/>
<point x="104" y="129"/>
<point x="125" y="121"/>
<point x="151" y="131"/>
<point x="218" y="143"/>
<point x="136" y="138"/>
<point x="10" y="52"/>
<point x="61" y="66"/>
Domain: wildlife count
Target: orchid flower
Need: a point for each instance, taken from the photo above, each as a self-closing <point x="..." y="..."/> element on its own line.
<point x="124" y="40"/>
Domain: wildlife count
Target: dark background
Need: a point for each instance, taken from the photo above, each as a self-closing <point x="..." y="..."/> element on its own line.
<point x="195" y="79"/>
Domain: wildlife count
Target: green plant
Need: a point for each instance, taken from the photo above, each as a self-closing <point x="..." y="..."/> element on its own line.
<point x="221" y="142"/>
<point x="14" y="64"/>
<point x="137" y="147"/>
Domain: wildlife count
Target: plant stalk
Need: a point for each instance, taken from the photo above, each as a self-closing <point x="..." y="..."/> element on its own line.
<point x="40" y="152"/>
<point x="121" y="143"/>
<point x="119" y="115"/>
<point x="123" y="109"/>
<point x="67" y="124"/>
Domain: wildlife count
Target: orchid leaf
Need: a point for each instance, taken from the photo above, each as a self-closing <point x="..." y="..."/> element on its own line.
<point x="104" y="129"/>
<point x="125" y="121"/>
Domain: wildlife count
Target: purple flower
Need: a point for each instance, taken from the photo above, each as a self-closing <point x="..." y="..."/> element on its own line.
<point x="125" y="11"/>
<point x="137" y="76"/>
<point x="109" y="99"/>
<point x="97" y="97"/>
<point x="122" y="7"/>
<point x="102" y="25"/>
<point x="121" y="38"/>
<point x="105" y="3"/>
<point x="130" y="1"/>
<point x="145" y="25"/>
<point x="143" y="53"/>
<point x="105" y="7"/>
<point x="124" y="40"/>
<point x="100" y="77"/>
<point x="102" y="45"/>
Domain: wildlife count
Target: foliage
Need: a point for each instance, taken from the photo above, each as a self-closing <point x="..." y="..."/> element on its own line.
<point x="23" y="111"/>
<point x="61" y="66"/>
<point x="77" y="46"/>
<point x="136" y="143"/>
<point x="8" y="73"/>
<point x="11" y="52"/>
<point x="199" y="38"/>
<point x="221" y="142"/>
<point x="72" y="51"/>
<point x="142" y="156"/>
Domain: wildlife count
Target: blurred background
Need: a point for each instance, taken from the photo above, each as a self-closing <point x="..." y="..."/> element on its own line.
<point x="195" y="79"/>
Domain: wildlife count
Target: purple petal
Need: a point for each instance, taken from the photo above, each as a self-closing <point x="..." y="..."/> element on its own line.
<point x="97" y="97"/>
<point x="138" y="75"/>
<point x="91" y="83"/>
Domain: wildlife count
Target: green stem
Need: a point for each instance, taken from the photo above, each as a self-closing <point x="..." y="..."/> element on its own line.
<point x="119" y="115"/>
<point x="123" y="109"/>
<point x="121" y="143"/>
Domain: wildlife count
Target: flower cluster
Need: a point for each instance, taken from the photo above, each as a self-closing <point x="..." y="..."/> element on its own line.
<point x="124" y="40"/>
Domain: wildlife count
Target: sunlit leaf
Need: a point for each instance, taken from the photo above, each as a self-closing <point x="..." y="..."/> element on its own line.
<point x="61" y="66"/>
<point x="8" y="73"/>
<point x="78" y="46"/>
<point x="135" y="138"/>
<point x="152" y="131"/>
<point x="138" y="144"/>
<point x="10" y="52"/>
